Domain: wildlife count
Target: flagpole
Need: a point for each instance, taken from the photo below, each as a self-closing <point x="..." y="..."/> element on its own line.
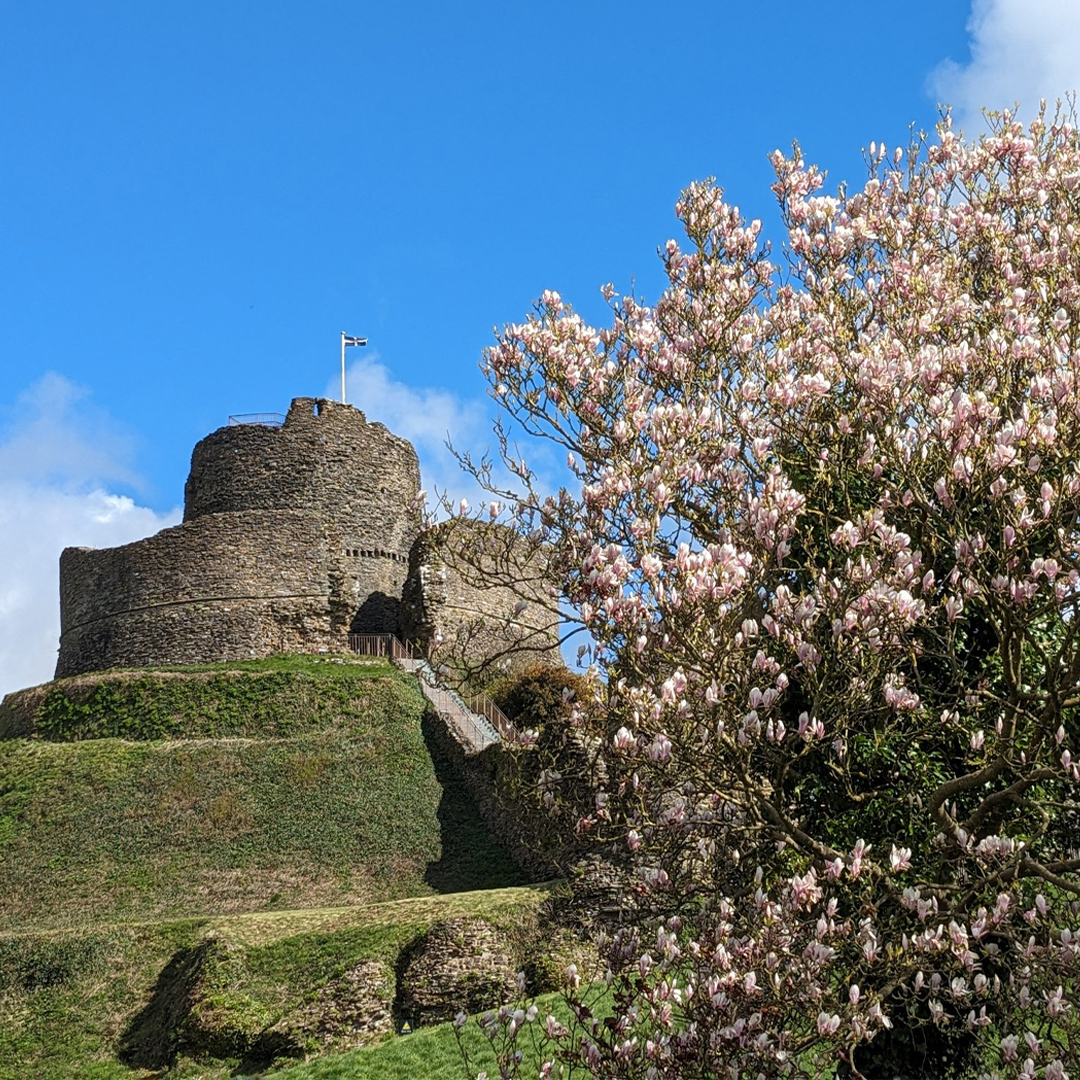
<point x="346" y="341"/>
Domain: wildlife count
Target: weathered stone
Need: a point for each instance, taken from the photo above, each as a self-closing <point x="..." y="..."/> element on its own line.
<point x="293" y="538"/>
<point x="459" y="965"/>
<point x="222" y="587"/>
<point x="349" y="1012"/>
<point x="359" y="481"/>
<point x="599" y="892"/>
<point x="481" y="593"/>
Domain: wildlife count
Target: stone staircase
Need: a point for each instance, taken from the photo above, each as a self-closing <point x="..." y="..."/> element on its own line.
<point x="476" y="722"/>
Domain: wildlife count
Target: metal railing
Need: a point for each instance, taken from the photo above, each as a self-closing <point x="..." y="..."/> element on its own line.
<point x="442" y="697"/>
<point x="267" y="419"/>
<point x="448" y="704"/>
<point x="385" y="645"/>
<point x="483" y="706"/>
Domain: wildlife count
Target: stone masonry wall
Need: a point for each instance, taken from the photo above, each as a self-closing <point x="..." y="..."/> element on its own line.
<point x="476" y="588"/>
<point x="294" y="537"/>
<point x="360" y="479"/>
<point x="222" y="587"/>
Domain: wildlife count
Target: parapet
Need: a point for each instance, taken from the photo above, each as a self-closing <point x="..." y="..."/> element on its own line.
<point x="327" y="459"/>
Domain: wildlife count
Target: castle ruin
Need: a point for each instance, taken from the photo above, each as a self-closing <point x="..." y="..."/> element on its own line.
<point x="294" y="537"/>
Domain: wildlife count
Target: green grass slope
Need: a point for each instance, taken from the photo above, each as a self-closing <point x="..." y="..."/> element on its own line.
<point x="431" y="1054"/>
<point x="81" y="1003"/>
<point x="276" y="697"/>
<point x="292" y="782"/>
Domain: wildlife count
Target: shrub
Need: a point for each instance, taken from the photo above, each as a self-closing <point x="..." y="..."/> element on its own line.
<point x="540" y="693"/>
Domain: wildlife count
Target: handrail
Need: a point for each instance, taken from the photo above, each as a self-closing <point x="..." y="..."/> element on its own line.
<point x="266" y="419"/>
<point x="387" y="645"/>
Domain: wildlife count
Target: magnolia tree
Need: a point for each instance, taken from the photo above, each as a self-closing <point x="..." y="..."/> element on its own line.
<point x="826" y="542"/>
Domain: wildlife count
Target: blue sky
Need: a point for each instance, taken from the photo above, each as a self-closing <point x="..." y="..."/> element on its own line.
<point x="198" y="197"/>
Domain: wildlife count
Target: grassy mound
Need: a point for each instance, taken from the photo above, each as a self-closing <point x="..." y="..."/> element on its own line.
<point x="277" y="697"/>
<point x="197" y="997"/>
<point x="298" y="782"/>
<point x="207" y="868"/>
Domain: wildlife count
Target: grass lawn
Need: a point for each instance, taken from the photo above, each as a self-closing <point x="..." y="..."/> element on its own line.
<point x="294" y="807"/>
<point x="429" y="1054"/>
<point x="299" y="782"/>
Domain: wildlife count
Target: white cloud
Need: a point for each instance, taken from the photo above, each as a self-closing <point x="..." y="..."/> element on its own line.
<point x="1021" y="51"/>
<point x="55" y="435"/>
<point x="57" y="455"/>
<point x="427" y="417"/>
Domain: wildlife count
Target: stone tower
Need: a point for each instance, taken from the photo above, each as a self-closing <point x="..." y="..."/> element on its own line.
<point x="327" y="461"/>
<point x="293" y="537"/>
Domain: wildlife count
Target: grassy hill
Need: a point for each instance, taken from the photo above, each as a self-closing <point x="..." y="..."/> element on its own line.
<point x="232" y="836"/>
<point x="297" y="782"/>
<point x="106" y="1003"/>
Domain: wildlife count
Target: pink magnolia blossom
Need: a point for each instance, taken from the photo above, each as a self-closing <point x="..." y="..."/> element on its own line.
<point x="823" y="535"/>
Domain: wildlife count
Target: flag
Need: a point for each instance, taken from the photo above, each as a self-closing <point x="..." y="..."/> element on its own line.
<point x="345" y="340"/>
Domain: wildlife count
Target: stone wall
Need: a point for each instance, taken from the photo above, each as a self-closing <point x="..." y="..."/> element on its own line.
<point x="293" y="537"/>
<point x="222" y="587"/>
<point x="356" y="477"/>
<point x="487" y="777"/>
<point x="480" y="591"/>
<point x="460" y="965"/>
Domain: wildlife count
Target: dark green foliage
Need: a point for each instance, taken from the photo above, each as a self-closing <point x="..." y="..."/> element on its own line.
<point x="537" y="695"/>
<point x="914" y="1048"/>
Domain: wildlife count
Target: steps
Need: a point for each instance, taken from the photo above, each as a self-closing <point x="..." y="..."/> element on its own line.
<point x="477" y="723"/>
<point x="474" y="730"/>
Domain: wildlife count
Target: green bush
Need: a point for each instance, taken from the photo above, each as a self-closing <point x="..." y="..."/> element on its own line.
<point x="538" y="694"/>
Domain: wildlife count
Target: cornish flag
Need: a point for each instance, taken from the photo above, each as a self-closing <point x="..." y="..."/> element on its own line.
<point x="346" y="340"/>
